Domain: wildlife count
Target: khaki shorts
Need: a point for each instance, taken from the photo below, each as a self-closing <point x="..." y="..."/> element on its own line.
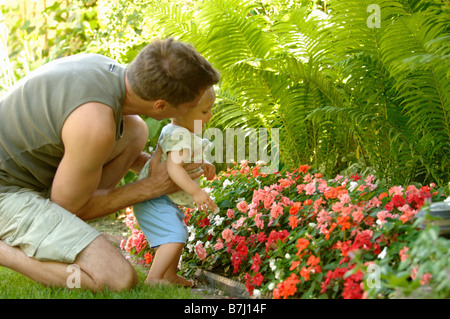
<point x="41" y="228"/>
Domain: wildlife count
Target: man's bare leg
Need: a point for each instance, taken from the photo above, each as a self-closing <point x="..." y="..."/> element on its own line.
<point x="101" y="265"/>
<point x="165" y="265"/>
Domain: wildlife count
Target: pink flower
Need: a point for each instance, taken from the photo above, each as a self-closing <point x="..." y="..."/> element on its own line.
<point x="323" y="186"/>
<point x="227" y="234"/>
<point x="242" y="206"/>
<point x="252" y="212"/>
<point x="396" y="190"/>
<point x="258" y="222"/>
<point x="310" y="188"/>
<point x="425" y="278"/>
<point x="239" y="222"/>
<point x="200" y="251"/>
<point x="403" y="253"/>
<point x="276" y="211"/>
<point x="219" y="244"/>
<point x="230" y="213"/>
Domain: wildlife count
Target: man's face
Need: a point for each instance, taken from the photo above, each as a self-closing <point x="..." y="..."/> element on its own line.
<point x="166" y="110"/>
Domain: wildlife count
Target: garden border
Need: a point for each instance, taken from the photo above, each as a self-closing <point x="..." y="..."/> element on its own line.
<point x="231" y="288"/>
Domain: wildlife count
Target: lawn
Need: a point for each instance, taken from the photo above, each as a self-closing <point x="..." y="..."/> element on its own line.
<point x="16" y="286"/>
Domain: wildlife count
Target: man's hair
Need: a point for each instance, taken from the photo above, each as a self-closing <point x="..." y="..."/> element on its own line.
<point x="170" y="70"/>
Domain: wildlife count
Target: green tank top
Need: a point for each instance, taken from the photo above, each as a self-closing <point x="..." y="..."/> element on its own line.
<point x="33" y="112"/>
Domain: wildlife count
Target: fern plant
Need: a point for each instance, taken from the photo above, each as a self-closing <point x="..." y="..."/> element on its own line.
<point x="341" y="91"/>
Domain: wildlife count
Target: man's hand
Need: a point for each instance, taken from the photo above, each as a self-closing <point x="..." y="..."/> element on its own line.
<point x="158" y="176"/>
<point x="210" y="170"/>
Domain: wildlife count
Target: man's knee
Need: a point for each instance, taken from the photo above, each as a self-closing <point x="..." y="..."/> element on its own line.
<point x="107" y="267"/>
<point x="123" y="278"/>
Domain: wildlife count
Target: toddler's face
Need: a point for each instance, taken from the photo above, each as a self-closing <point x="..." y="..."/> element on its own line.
<point x="202" y="112"/>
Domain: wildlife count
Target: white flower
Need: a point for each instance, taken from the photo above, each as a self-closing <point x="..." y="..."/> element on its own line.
<point x="226" y="183"/>
<point x="189" y="247"/>
<point x="287" y="256"/>
<point x="272" y="264"/>
<point x="211" y="232"/>
<point x="383" y="253"/>
<point x="218" y="220"/>
<point x="277" y="274"/>
<point x="353" y="185"/>
<point x="191" y="237"/>
<point x="207" y="244"/>
<point x="271" y="286"/>
<point x="257" y="293"/>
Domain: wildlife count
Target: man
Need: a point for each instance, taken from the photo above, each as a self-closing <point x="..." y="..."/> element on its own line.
<point x="68" y="133"/>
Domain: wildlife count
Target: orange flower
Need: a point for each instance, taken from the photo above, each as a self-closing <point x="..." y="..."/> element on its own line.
<point x="295" y="208"/>
<point x="286" y="288"/>
<point x="293" y="221"/>
<point x="313" y="261"/>
<point x="307" y="202"/>
<point x="285" y="182"/>
<point x="382" y="195"/>
<point x="148" y="258"/>
<point x="344" y="222"/>
<point x="304" y="272"/>
<point x="302" y="243"/>
<point x="303" y="168"/>
<point x="294" y="265"/>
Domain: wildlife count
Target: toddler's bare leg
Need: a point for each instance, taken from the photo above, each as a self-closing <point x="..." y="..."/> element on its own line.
<point x="165" y="265"/>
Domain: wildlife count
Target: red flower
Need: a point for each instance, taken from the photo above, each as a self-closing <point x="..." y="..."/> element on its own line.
<point x="248" y="283"/>
<point x="262" y="237"/>
<point x="258" y="279"/>
<point x="242" y="249"/>
<point x="256" y="261"/>
<point x="355" y="177"/>
<point x="398" y="200"/>
<point x="203" y="222"/>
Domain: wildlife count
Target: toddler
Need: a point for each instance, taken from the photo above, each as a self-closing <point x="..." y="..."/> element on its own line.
<point x="160" y="219"/>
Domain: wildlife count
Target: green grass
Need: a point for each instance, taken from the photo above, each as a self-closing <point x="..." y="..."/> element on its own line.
<point x="16" y="286"/>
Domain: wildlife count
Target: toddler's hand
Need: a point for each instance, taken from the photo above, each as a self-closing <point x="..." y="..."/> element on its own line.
<point x="203" y="201"/>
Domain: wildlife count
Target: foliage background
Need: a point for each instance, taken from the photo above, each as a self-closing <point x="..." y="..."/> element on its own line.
<point x="345" y="96"/>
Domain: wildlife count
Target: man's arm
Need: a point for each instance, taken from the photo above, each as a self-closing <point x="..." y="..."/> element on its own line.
<point x="88" y="136"/>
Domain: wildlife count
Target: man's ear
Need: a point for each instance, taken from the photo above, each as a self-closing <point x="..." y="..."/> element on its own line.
<point x="160" y="105"/>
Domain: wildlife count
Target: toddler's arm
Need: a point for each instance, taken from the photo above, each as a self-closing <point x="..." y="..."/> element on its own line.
<point x="175" y="162"/>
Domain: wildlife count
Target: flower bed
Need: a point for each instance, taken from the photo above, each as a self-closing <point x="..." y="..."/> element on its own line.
<point x="299" y="235"/>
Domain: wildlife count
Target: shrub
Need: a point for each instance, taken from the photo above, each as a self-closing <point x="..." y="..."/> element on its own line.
<point x="298" y="235"/>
